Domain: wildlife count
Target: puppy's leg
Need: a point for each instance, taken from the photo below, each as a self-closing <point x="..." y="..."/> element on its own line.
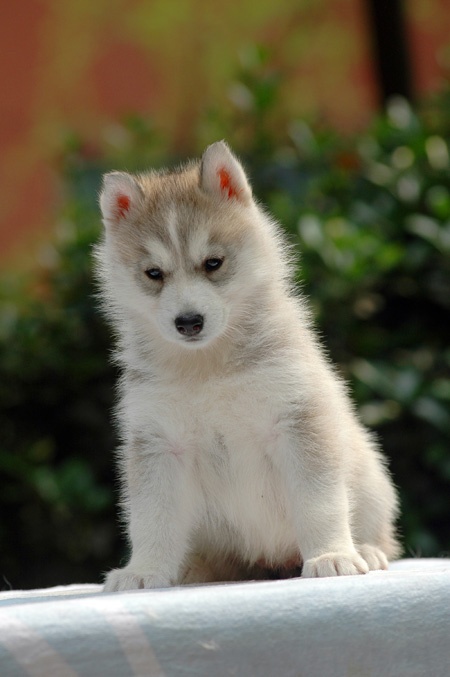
<point x="325" y="537"/>
<point x="375" y="509"/>
<point x="317" y="496"/>
<point x="159" y="506"/>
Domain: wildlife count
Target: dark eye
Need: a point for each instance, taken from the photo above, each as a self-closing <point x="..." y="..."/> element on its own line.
<point x="154" y="273"/>
<point x="212" y="264"/>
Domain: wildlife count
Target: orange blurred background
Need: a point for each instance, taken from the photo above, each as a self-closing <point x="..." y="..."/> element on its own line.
<point x="81" y="65"/>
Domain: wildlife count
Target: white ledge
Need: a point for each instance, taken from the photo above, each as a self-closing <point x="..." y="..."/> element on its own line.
<point x="392" y="623"/>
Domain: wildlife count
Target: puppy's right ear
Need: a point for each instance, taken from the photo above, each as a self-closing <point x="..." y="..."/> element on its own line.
<point x="119" y="197"/>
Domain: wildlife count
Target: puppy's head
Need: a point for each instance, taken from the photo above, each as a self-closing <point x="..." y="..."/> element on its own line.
<point x="185" y="250"/>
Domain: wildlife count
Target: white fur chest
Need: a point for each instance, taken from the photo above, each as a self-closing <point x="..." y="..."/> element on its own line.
<point x="226" y="434"/>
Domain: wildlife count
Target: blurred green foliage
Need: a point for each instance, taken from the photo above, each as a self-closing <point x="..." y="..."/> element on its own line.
<point x="370" y="216"/>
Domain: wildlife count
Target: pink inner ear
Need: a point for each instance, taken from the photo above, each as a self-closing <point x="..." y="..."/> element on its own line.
<point x="123" y="204"/>
<point x="225" y="183"/>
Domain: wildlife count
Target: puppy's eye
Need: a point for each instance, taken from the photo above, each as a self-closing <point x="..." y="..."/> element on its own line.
<point x="154" y="273"/>
<point x="211" y="265"/>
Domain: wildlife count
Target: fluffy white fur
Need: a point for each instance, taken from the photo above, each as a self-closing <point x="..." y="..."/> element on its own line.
<point x="241" y="452"/>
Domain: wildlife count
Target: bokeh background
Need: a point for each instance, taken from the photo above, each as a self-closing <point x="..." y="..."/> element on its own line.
<point x="341" y="112"/>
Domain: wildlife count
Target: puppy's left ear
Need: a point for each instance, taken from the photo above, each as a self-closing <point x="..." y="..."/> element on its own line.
<point x="120" y="197"/>
<point x="222" y="174"/>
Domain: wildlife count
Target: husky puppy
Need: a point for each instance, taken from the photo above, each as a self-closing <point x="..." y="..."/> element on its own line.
<point x="241" y="451"/>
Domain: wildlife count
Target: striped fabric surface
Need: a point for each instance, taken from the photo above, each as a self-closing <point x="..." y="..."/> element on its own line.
<point x="392" y="623"/>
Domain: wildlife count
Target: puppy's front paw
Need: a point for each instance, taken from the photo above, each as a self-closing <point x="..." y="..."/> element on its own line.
<point x="124" y="579"/>
<point x="334" y="564"/>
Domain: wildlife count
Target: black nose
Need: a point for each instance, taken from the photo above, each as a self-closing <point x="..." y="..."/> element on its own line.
<point x="189" y="325"/>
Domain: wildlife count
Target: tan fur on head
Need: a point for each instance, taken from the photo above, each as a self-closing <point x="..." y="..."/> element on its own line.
<point x="240" y="444"/>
